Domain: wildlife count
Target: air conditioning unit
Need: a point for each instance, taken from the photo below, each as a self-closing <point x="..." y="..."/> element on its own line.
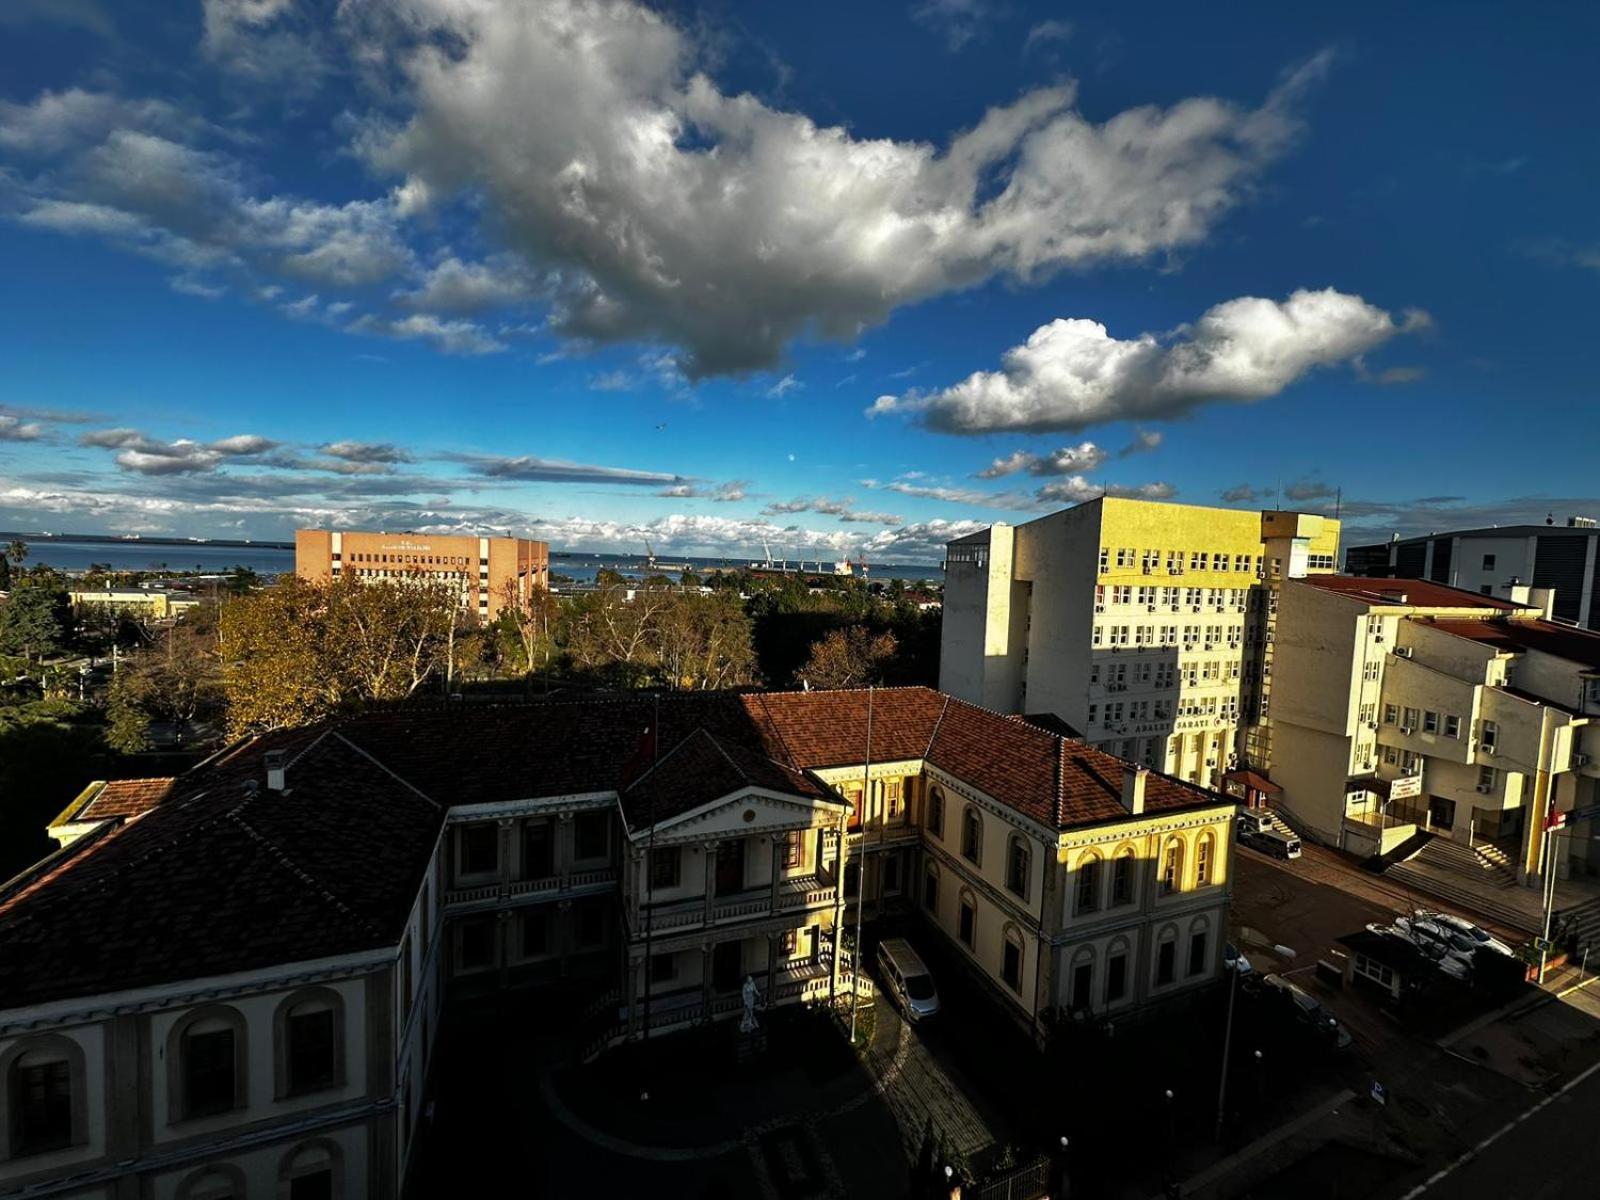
<point x="1408" y="730"/>
<point x="1485" y="788"/>
<point x="1580" y="760"/>
<point x="1174" y="608"/>
<point x="1377" y="637"/>
<point x="1372" y="724"/>
<point x="1149" y="608"/>
<point x="1402" y="651"/>
<point x="1196" y="608"/>
<point x="1099" y="608"/>
<point x="1491" y="751"/>
<point x="1148" y="569"/>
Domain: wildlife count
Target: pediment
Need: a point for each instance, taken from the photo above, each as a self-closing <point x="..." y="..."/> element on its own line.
<point x="750" y="811"/>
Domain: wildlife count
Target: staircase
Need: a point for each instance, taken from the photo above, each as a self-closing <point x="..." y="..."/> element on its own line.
<point x="1581" y="923"/>
<point x="1470" y="879"/>
<point x="1496" y="859"/>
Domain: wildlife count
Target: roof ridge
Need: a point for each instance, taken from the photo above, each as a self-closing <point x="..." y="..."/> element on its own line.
<point x="938" y="723"/>
<point x="281" y="856"/>
<point x="772" y="723"/>
<point x="661" y="760"/>
<point x="398" y="778"/>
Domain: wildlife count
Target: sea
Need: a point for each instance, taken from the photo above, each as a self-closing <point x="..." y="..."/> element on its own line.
<point x="143" y="554"/>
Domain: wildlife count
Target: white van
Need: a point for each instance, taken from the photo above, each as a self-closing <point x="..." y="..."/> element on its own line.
<point x="907" y="978"/>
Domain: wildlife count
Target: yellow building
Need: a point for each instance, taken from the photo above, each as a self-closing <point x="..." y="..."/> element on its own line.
<point x="153" y="605"/>
<point x="1146" y="626"/>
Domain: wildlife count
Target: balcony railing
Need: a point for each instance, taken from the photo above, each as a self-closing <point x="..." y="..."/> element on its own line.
<point x="796" y="894"/>
<point x="552" y="885"/>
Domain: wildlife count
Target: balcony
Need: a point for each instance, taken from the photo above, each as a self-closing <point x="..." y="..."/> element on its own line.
<point x="798" y="894"/>
<point x="572" y="883"/>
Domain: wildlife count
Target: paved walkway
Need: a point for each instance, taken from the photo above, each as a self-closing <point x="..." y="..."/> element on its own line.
<point x="918" y="1089"/>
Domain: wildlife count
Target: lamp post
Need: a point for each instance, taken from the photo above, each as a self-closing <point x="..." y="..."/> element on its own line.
<point x="1227" y="1043"/>
<point x="1065" y="1169"/>
<point x="1261" y="1081"/>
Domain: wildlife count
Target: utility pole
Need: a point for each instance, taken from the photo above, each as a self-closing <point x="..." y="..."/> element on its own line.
<point x="1553" y="821"/>
<point x="1227" y="1042"/>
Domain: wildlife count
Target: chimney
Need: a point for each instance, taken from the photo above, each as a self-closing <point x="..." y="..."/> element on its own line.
<point x="1133" y="781"/>
<point x="1394" y="596"/>
<point x="277" y="762"/>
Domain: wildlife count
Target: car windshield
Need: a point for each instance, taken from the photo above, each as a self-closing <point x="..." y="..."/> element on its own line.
<point x="919" y="987"/>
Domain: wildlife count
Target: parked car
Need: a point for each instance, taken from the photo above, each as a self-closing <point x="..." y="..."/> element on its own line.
<point x="908" y="979"/>
<point x="1309" y="1009"/>
<point x="1479" y="935"/>
<point x="1233" y="958"/>
<point x="1269" y="841"/>
<point x="1451" y="952"/>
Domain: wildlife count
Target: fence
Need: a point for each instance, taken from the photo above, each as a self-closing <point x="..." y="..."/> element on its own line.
<point x="1029" y="1182"/>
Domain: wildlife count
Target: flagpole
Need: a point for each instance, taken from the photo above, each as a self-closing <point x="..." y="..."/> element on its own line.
<point x="861" y="875"/>
<point x="650" y="869"/>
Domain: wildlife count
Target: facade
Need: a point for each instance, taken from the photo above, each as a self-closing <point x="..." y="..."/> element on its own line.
<point x="482" y="567"/>
<point x="157" y="605"/>
<point x="1488" y="561"/>
<point x="227" y="983"/>
<point x="1486" y="703"/>
<point x="1146" y="626"/>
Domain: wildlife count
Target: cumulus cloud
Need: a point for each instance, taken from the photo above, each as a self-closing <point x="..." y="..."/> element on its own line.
<point x="367" y="452"/>
<point x="1046" y="33"/>
<point x="723" y="493"/>
<point x="1069" y="460"/>
<point x="270" y="43"/>
<point x="470" y="287"/>
<point x="666" y="209"/>
<point x="1072" y="374"/>
<point x="1143" y="440"/>
<point x="146" y="455"/>
<point x="844" y="509"/>
<point x="527" y="469"/>
<point x="1242" y="493"/>
<point x="1011" y="501"/>
<point x="1077" y="490"/>
<point x="783" y="387"/>
<point x="15" y="429"/>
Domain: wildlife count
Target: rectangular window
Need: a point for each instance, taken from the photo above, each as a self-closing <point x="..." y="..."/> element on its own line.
<point x="967" y="930"/>
<point x="1017" y="867"/>
<point x="1452" y="726"/>
<point x="43" y="1098"/>
<point x="971" y="832"/>
<point x="208" y="1072"/>
<point x="1411" y="718"/>
<point x="592" y="831"/>
<point x="1116" y="977"/>
<point x="1197" y="953"/>
<point x="930" y="892"/>
<point x="793" y="850"/>
<point x="538" y="850"/>
<point x="1166" y="962"/>
<point x="1202" y="863"/>
<point x="1169" y="870"/>
<point x="535" y="933"/>
<point x="663" y="968"/>
<point x="476" y="944"/>
<point x="1011" y="966"/>
<point x="1430" y="722"/>
<point x="1489" y="735"/>
<point x="1083" y="985"/>
<point x="893" y="792"/>
<point x="1488" y="562"/>
<point x="1089" y="886"/>
<point x="666" y="866"/>
<point x="1488" y="777"/>
<point x="1391" y="714"/>
<point x="311" y="1057"/>
<point x="480" y="850"/>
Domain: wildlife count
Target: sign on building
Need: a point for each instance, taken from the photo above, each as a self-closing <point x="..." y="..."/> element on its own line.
<point x="1407" y="787"/>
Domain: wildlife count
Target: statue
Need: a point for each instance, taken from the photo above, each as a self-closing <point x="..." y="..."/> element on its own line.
<point x="752" y="997"/>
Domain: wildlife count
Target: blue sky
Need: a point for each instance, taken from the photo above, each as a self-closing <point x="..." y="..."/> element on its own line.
<point x="855" y="281"/>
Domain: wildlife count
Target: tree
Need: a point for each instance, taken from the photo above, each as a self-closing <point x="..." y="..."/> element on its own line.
<point x="609" y="635"/>
<point x="128" y="714"/>
<point x="529" y="617"/>
<point x="5" y="573"/>
<point x="17" y="551"/>
<point x="385" y="637"/>
<point x="272" y="647"/>
<point x="704" y="642"/>
<point x="36" y="618"/>
<point x="853" y="656"/>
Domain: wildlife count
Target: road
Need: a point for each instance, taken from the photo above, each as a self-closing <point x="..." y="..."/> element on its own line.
<point x="1549" y="1150"/>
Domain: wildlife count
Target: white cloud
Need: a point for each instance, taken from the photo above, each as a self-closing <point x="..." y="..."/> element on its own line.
<point x="844" y="509"/>
<point x="145" y="455"/>
<point x="14" y="429"/>
<point x="1071" y="374"/>
<point x="470" y="287"/>
<point x="452" y="337"/>
<point x="268" y="43"/>
<point x="527" y="468"/>
<point x="1012" y="501"/>
<point x="783" y="387"/>
<point x="1077" y="490"/>
<point x="957" y="22"/>
<point x="1069" y="460"/>
<point x="1046" y="32"/>
<point x="666" y="209"/>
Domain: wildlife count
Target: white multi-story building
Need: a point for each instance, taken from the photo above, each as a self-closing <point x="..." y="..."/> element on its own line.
<point x="230" y="983"/>
<point x="1481" y="706"/>
<point x="1145" y="626"/>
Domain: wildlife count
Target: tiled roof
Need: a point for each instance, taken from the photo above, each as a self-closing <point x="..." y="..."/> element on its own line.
<point x="1548" y="637"/>
<point x="702" y="768"/>
<point x="1418" y="593"/>
<point x="125" y="798"/>
<point x="226" y="876"/>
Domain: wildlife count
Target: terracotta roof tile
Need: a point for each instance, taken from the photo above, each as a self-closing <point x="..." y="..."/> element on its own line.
<point x="1418" y="593"/>
<point x="702" y="768"/>
<point x="125" y="798"/>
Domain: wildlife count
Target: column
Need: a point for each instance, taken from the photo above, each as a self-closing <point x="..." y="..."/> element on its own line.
<point x="564" y="836"/>
<point x="779" y="843"/>
<point x="632" y="990"/>
<point x="709" y="853"/>
<point x="772" y="970"/>
<point x="705" y="980"/>
<point x="506" y="829"/>
<point x="564" y="932"/>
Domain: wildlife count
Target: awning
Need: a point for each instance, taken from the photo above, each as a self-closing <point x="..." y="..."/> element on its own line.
<point x="1253" y="781"/>
<point x="1378" y="787"/>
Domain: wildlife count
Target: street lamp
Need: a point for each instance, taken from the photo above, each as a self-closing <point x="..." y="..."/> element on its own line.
<point x="1261" y="1081"/>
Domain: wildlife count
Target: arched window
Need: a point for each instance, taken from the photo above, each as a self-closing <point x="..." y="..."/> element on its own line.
<point x="206" y="1058"/>
<point x="1087" y="892"/>
<point x="308" y="1042"/>
<point x="930" y="888"/>
<point x="219" y="1181"/>
<point x="313" y="1170"/>
<point x="1205" y="852"/>
<point x="1017" y="859"/>
<point x="1011" y="959"/>
<point x="45" y="1085"/>
<point x="935" y="820"/>
<point x="967" y="919"/>
<point x="1172" y="866"/>
<point x="1123" y="869"/>
<point x="1081" y="997"/>
<point x="971" y="834"/>
<point x="1166" y="955"/>
<point x="1199" y="944"/>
